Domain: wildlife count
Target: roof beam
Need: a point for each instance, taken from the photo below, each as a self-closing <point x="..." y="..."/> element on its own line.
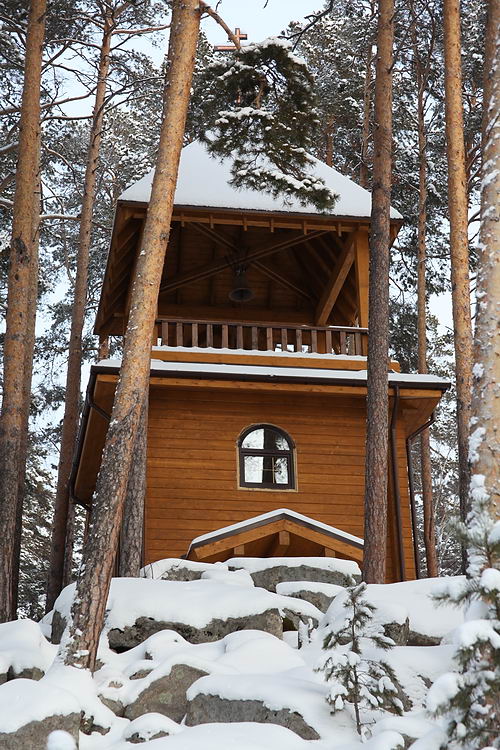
<point x="221" y="264"/>
<point x="336" y="281"/>
<point x="274" y="276"/>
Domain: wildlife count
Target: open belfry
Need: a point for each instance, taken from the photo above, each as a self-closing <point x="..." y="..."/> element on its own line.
<point x="257" y="402"/>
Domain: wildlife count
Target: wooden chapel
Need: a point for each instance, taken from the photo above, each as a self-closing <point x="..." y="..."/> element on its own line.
<point x="257" y="402"/>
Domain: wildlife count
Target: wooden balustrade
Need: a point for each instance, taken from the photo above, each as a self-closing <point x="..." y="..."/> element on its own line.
<point x="264" y="337"/>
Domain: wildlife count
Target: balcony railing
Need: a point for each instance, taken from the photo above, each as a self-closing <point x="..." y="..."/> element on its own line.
<point x="263" y="337"/>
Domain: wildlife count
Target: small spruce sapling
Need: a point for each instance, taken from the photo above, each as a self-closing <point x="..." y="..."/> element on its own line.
<point x="267" y="121"/>
<point x="356" y="674"/>
<point x="469" y="699"/>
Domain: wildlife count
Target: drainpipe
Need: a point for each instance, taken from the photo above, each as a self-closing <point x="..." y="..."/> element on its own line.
<point x="411" y="485"/>
<point x="395" y="483"/>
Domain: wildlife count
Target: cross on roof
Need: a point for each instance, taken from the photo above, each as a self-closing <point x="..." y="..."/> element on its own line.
<point x="240" y="36"/>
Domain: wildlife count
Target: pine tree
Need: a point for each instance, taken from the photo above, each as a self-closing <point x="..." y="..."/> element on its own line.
<point x="469" y="698"/>
<point x="377" y="401"/>
<point x="356" y="674"/>
<point x="266" y="121"/>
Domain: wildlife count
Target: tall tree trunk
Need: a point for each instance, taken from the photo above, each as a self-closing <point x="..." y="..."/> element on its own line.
<point x="485" y="440"/>
<point x="364" y="180"/>
<point x="377" y="435"/>
<point x="425" y="449"/>
<point x="88" y="608"/>
<point x="72" y="392"/>
<point x="131" y="539"/>
<point x="459" y="246"/>
<point x="23" y="258"/>
<point x="27" y="376"/>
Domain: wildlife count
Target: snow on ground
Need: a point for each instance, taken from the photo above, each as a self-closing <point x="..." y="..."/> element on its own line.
<point x="245" y="668"/>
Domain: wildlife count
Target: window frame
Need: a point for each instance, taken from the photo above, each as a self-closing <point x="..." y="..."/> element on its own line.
<point x="262" y="452"/>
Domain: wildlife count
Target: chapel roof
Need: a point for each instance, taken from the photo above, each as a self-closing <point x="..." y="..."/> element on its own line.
<point x="204" y="181"/>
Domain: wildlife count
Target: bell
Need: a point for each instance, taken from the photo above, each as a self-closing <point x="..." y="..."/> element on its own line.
<point x="240" y="292"/>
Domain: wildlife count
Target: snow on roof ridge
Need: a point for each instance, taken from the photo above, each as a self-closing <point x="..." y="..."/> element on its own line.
<point x="268" y="516"/>
<point x="203" y="181"/>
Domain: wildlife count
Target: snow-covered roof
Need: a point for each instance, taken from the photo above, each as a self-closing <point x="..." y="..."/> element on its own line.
<point x="276" y="515"/>
<point x="283" y="373"/>
<point x="203" y="181"/>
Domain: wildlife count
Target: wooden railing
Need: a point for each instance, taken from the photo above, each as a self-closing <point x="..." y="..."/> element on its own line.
<point x="264" y="337"/>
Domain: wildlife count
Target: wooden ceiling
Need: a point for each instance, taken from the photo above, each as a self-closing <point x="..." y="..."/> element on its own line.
<point x="304" y="273"/>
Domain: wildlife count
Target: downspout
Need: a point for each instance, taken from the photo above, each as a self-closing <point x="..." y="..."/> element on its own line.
<point x="395" y="483"/>
<point x="411" y="485"/>
<point x="87" y="407"/>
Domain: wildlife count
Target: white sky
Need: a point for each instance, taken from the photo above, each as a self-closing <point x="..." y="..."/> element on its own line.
<point x="256" y="20"/>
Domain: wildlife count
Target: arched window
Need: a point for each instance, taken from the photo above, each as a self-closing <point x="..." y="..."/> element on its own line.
<point x="266" y="458"/>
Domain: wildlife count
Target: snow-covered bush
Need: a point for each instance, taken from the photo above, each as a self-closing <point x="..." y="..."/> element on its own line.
<point x="354" y="669"/>
<point x="469" y="699"/>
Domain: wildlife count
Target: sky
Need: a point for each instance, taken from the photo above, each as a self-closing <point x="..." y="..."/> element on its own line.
<point x="258" y="19"/>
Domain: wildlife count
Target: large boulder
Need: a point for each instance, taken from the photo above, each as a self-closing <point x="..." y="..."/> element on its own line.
<point x="30" y="711"/>
<point x="293" y="701"/>
<point x="200" y="611"/>
<point x="130" y="636"/>
<point x="268" y="572"/>
<point x="165" y="695"/>
<point x="205" y="709"/>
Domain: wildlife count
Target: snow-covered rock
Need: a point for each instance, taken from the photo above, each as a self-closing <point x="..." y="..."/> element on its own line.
<point x="30" y="711"/>
<point x="268" y="572"/>
<point x="24" y="650"/>
<point x="429" y="621"/>
<point x="200" y="610"/>
<point x="151" y="726"/>
<point x="319" y="594"/>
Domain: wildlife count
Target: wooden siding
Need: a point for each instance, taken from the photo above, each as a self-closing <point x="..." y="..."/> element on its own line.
<point x="192" y="465"/>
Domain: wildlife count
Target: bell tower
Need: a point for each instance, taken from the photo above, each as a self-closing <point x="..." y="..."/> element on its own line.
<point x="257" y="403"/>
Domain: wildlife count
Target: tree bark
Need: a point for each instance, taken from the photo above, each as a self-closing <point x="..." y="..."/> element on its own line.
<point x="88" y="608"/>
<point x="19" y="320"/>
<point x="131" y="539"/>
<point x="364" y="179"/>
<point x="459" y="246"/>
<point x="72" y="392"/>
<point x="377" y="435"/>
<point x="425" y="450"/>
<point x="27" y="376"/>
<point x="485" y="441"/>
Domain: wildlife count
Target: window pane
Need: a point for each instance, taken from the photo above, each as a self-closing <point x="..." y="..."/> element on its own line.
<point x="266" y="469"/>
<point x="254" y="468"/>
<point x="281" y="470"/>
<point x="266" y="438"/>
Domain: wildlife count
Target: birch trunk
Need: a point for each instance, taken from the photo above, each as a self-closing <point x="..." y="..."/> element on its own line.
<point x="92" y="589"/>
<point x="72" y="392"/>
<point x="485" y="439"/>
<point x="19" y="333"/>
<point x="425" y="449"/>
<point x="459" y="246"/>
<point x="378" y="316"/>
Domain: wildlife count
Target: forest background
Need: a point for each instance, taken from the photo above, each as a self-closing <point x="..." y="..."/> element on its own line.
<point x="339" y="52"/>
